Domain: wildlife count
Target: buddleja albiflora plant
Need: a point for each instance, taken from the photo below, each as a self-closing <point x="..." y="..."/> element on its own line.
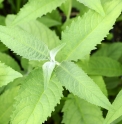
<point x="31" y="98"/>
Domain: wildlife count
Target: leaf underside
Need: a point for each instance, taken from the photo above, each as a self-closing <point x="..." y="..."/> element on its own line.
<point x="23" y="43"/>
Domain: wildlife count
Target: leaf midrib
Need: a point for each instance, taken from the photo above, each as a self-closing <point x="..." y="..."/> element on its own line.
<point x="106" y="16"/>
<point x="41" y="53"/>
<point x="84" y="86"/>
<point x="31" y="13"/>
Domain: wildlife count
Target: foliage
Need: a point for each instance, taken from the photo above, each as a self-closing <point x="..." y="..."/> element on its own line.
<point x="47" y="62"/>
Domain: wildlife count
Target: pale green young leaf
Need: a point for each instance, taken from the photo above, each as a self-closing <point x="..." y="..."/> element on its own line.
<point x="36" y="8"/>
<point x="78" y="82"/>
<point x="9" y="61"/>
<point x="66" y="8"/>
<point x="23" y="43"/>
<point x="6" y="104"/>
<point x="38" y="30"/>
<point x="54" y="51"/>
<point x="113" y="51"/>
<point x="48" y="68"/>
<point x="95" y="5"/>
<point x="103" y="66"/>
<point x="7" y="74"/>
<point x="33" y="103"/>
<point x="100" y="82"/>
<point x="78" y="111"/>
<point x="116" y="112"/>
<point x="85" y="33"/>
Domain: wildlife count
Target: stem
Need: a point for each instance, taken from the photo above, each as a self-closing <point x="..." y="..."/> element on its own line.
<point x="18" y="5"/>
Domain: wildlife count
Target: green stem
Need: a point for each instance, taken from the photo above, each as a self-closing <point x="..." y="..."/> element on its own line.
<point x="18" y="4"/>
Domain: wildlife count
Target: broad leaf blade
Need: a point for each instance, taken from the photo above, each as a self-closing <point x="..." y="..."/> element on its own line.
<point x="113" y="51"/>
<point x="85" y="33"/>
<point x="77" y="82"/>
<point x="78" y="111"/>
<point x="9" y="61"/>
<point x="6" y="104"/>
<point x="23" y="43"/>
<point x="34" y="9"/>
<point x="103" y="66"/>
<point x="7" y="74"/>
<point x="38" y="30"/>
<point x="116" y="112"/>
<point x="95" y="5"/>
<point x="33" y="103"/>
<point x="101" y="84"/>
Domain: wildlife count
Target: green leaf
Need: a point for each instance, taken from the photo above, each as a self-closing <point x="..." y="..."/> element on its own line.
<point x="117" y="112"/>
<point x="2" y="20"/>
<point x="3" y="47"/>
<point x="51" y="19"/>
<point x="7" y="74"/>
<point x="23" y="43"/>
<point x="48" y="68"/>
<point x="95" y="5"/>
<point x="85" y="33"/>
<point x="78" y="111"/>
<point x="34" y="9"/>
<point x="100" y="82"/>
<point x="9" y="61"/>
<point x="6" y="104"/>
<point x="54" y="51"/>
<point x="1" y="1"/>
<point x="78" y="82"/>
<point x="103" y="66"/>
<point x="33" y="103"/>
<point x="113" y="51"/>
<point x="38" y="30"/>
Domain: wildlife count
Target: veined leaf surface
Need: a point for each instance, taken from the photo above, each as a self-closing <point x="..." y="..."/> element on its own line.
<point x="23" y="43"/>
<point x="94" y="4"/>
<point x="33" y="103"/>
<point x="7" y="74"/>
<point x="6" y="104"/>
<point x="36" y="8"/>
<point x="38" y="30"/>
<point x="115" y="49"/>
<point x="77" y="82"/>
<point x="85" y="33"/>
<point x="103" y="66"/>
<point x="78" y="111"/>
